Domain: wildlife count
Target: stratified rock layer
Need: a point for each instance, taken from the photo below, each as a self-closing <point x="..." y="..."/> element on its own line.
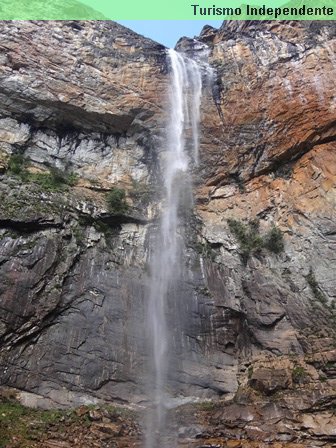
<point x="81" y="97"/>
<point x="90" y="98"/>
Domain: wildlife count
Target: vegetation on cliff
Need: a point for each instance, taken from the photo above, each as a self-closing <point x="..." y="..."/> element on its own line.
<point x="84" y="426"/>
<point x="116" y="201"/>
<point x="252" y="242"/>
<point x="54" y="179"/>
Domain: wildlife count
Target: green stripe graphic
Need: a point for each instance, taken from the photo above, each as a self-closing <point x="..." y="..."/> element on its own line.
<point x="167" y="10"/>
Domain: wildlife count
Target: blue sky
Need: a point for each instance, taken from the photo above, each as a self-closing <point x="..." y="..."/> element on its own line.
<point x="167" y="32"/>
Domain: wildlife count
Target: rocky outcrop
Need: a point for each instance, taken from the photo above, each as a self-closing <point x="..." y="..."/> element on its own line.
<point x="268" y="159"/>
<point x="256" y="303"/>
<point x="267" y="156"/>
<point x="77" y="97"/>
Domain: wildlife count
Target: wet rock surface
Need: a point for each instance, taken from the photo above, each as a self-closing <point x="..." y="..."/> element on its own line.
<point x="88" y="98"/>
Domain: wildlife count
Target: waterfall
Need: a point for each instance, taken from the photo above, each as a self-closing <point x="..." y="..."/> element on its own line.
<point x="166" y="261"/>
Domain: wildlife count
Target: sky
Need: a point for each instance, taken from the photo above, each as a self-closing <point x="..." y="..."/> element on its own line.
<point x="168" y="32"/>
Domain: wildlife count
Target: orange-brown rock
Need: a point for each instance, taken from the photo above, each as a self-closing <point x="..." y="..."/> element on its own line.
<point x="275" y="99"/>
<point x="269" y="154"/>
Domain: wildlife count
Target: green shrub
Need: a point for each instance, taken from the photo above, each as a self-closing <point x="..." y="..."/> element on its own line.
<point x="16" y="164"/>
<point x="203" y="290"/>
<point x="299" y="374"/>
<point x="79" y="233"/>
<point x="315" y="288"/>
<point x="119" y="411"/>
<point x="274" y="240"/>
<point x="54" y="179"/>
<point x="250" y="240"/>
<point x="46" y="181"/>
<point x="60" y="178"/>
<point x="116" y="201"/>
<point x="248" y="237"/>
<point x="72" y="179"/>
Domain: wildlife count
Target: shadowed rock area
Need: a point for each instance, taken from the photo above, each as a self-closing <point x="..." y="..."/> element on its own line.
<point x="82" y="133"/>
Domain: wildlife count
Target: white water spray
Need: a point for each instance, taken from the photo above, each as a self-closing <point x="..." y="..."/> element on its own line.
<point x="166" y="263"/>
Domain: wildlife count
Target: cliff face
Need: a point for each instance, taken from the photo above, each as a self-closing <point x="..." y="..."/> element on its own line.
<point x="81" y="97"/>
<point x="269" y="155"/>
<point x="89" y="98"/>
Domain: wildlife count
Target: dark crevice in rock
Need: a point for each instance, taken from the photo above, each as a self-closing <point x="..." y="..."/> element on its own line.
<point x="272" y="324"/>
<point x="67" y="116"/>
<point x="67" y="130"/>
<point x="30" y="226"/>
<point x="217" y="89"/>
<point x="323" y="404"/>
<point x="113" y="221"/>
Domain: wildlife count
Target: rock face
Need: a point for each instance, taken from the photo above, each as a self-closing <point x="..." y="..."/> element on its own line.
<point x="89" y="98"/>
<point x="80" y="97"/>
<point x="270" y="157"/>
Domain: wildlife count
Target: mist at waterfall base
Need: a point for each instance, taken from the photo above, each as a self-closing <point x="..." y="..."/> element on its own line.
<point x="166" y="262"/>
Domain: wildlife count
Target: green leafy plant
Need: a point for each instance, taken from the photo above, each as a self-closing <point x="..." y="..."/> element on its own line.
<point x="16" y="164"/>
<point x="72" y="179"/>
<point x="248" y="237"/>
<point x="315" y="288"/>
<point x="299" y="374"/>
<point x="273" y="240"/>
<point x="116" y="201"/>
<point x="118" y="411"/>
<point x="53" y="179"/>
<point x="250" y="240"/>
<point x="25" y="424"/>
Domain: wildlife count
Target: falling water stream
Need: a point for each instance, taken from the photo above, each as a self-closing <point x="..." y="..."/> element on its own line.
<point x="166" y="261"/>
